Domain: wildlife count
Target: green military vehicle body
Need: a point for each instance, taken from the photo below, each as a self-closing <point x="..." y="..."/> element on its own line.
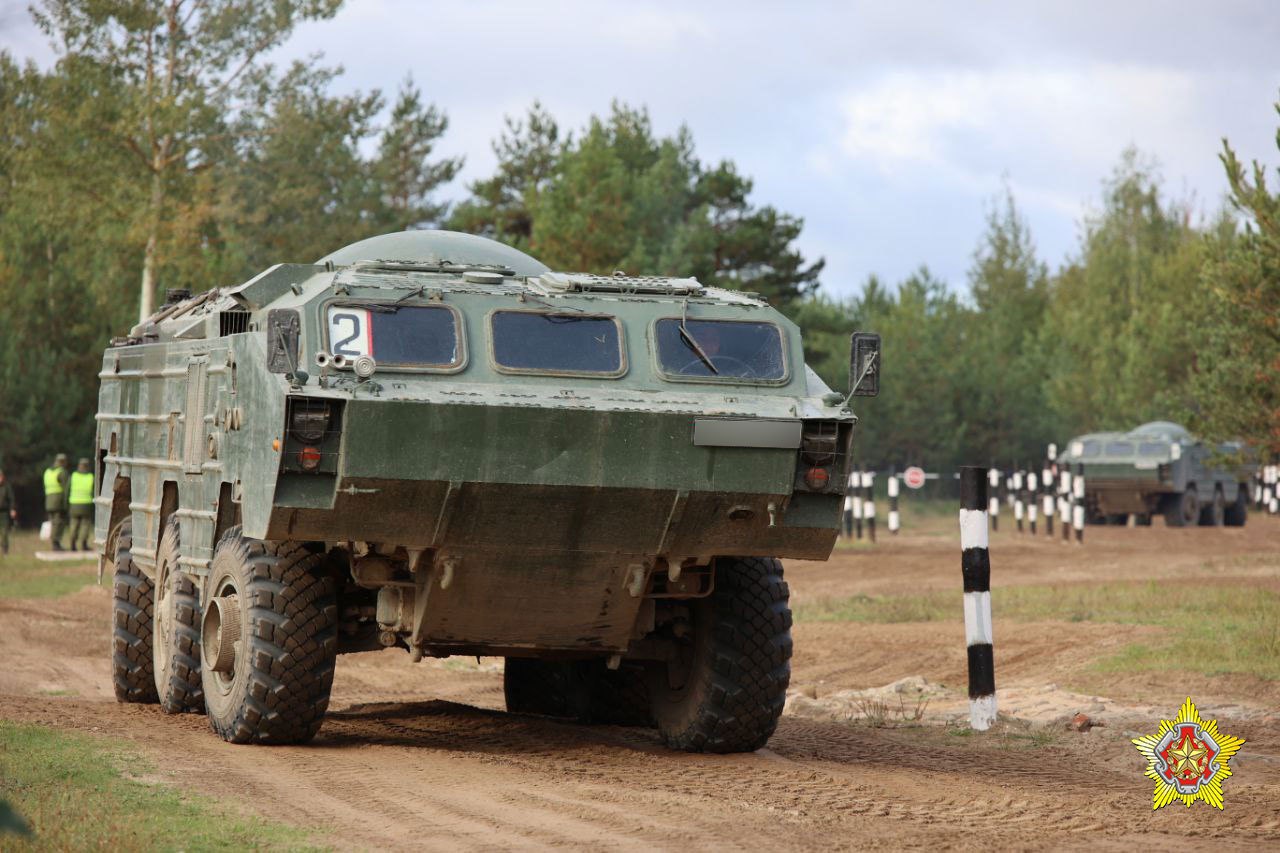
<point x="1159" y="468"/>
<point x="430" y="441"/>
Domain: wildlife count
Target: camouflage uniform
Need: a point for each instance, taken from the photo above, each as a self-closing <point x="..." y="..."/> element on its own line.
<point x="8" y="512"/>
<point x="55" y="498"/>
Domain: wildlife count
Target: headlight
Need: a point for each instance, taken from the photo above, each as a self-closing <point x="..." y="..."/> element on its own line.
<point x="1175" y="451"/>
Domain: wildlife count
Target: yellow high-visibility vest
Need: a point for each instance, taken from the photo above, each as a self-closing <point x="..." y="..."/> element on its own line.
<point x="81" y="488"/>
<point x="52" y="486"/>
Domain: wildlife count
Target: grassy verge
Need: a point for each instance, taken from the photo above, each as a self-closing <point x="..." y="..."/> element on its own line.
<point x="23" y="576"/>
<point x="1211" y="630"/>
<point x="78" y="793"/>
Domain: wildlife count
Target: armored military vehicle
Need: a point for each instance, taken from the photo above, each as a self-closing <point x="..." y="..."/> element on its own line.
<point x="430" y="441"/>
<point x="1159" y="468"/>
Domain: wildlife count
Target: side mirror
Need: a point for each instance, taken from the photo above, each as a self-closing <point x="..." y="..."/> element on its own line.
<point x="864" y="365"/>
<point x="283" y="331"/>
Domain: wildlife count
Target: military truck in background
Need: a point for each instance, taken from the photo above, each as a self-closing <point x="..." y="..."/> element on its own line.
<point x="430" y="441"/>
<point x="1159" y="468"/>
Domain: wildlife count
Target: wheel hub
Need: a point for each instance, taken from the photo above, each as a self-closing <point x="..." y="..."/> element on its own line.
<point x="220" y="632"/>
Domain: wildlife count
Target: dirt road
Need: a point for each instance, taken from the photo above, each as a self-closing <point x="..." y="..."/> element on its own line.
<point x="422" y="756"/>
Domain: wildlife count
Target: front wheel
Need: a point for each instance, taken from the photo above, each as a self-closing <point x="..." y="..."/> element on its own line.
<point x="268" y="641"/>
<point x="1238" y="513"/>
<point x="1182" y="510"/>
<point x="725" y="687"/>
<point x="176" y="638"/>
<point x="132" y="669"/>
<point x="1214" y="515"/>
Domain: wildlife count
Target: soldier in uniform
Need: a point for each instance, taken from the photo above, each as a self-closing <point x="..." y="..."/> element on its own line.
<point x="81" y="503"/>
<point x="8" y="512"/>
<point x="55" y="498"/>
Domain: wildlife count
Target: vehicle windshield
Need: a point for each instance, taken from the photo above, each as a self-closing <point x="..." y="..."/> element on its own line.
<point x="726" y="349"/>
<point x="537" y="342"/>
<point x="1089" y="448"/>
<point x="1119" y="448"/>
<point x="1153" y="448"/>
<point x="410" y="336"/>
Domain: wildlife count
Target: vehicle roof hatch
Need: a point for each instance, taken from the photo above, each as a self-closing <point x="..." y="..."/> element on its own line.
<point x="619" y="283"/>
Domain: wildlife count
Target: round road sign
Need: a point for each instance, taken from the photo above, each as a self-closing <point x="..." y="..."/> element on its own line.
<point x="913" y="477"/>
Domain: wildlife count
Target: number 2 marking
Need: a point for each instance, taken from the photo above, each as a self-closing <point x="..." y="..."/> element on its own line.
<point x="340" y="347"/>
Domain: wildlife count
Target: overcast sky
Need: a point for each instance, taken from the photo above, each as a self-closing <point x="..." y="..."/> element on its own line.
<point x="889" y="127"/>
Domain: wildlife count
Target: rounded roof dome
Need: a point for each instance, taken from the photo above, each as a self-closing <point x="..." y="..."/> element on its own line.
<point x="431" y="246"/>
<point x="1164" y="429"/>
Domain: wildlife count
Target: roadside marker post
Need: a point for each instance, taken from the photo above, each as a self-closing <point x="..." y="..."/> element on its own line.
<point x="1047" y="482"/>
<point x="1033" y="500"/>
<point x="1064" y="502"/>
<point x="869" y="502"/>
<point x="855" y="486"/>
<point x="993" y="501"/>
<point x="894" y="519"/>
<point x="1077" y="518"/>
<point x="1017" y="499"/>
<point x="975" y="564"/>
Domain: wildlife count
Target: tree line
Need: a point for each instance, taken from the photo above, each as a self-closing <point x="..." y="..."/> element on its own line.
<point x="163" y="149"/>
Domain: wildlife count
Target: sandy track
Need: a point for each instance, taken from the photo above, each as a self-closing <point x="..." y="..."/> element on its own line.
<point x="421" y="756"/>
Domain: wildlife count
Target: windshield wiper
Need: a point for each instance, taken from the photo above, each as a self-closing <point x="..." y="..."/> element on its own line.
<point x="691" y="343"/>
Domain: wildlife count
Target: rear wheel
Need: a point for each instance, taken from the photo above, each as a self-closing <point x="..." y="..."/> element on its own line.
<point x="268" y="641"/>
<point x="132" y="672"/>
<point x="176" y="639"/>
<point x="725" y="689"/>
<point x="1182" y="510"/>
<point x="1238" y="512"/>
<point x="1214" y="514"/>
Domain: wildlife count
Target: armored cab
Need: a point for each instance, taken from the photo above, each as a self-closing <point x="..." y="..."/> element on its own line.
<point x="430" y="441"/>
<point x="1159" y="468"/>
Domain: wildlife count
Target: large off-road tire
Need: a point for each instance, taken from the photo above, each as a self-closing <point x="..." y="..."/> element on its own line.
<point x="1238" y="512"/>
<point x="726" y="689"/>
<point x="132" y="674"/>
<point x="268" y="640"/>
<point x="1214" y="513"/>
<point x="1182" y="510"/>
<point x="586" y="691"/>
<point x="176" y="635"/>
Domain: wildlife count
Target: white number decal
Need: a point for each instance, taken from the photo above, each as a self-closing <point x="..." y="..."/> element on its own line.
<point x="350" y="333"/>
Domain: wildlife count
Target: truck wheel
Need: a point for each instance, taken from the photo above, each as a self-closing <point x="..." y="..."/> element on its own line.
<point x="1214" y="514"/>
<point x="1182" y="510"/>
<point x="586" y="691"/>
<point x="1142" y="519"/>
<point x="725" y="690"/>
<point x="132" y="675"/>
<point x="1238" y="513"/>
<point x="268" y="641"/>
<point x="176" y="638"/>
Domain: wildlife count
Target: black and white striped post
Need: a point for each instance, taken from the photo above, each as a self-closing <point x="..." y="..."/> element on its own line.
<point x="846" y="518"/>
<point x="892" y="486"/>
<point x="1048" y="480"/>
<point x="1033" y="500"/>
<point x="869" y="502"/>
<point x="855" y="486"/>
<point x="1064" y="501"/>
<point x="975" y="563"/>
<point x="1077" y="513"/>
<point x="1018" y="502"/>
<point x="993" y="501"/>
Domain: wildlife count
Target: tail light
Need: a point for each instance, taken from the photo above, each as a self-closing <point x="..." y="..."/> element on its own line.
<point x="309" y="458"/>
<point x="824" y="456"/>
